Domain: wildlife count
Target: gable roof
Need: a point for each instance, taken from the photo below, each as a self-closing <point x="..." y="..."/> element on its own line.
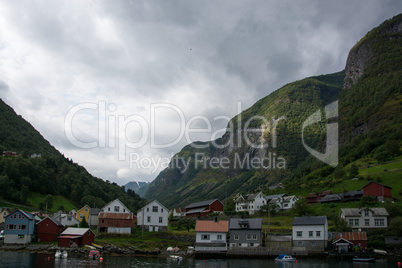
<point x="94" y="211"/>
<point x="212" y="226"/>
<point x="84" y="207"/>
<point x="272" y="196"/>
<point x="202" y="203"/>
<point x="117" y="216"/>
<point x="342" y="240"/>
<point x="331" y="198"/>
<point x="154" y="200"/>
<point x="76" y="231"/>
<point x="351" y="236"/>
<point x="53" y="220"/>
<point x="357" y="212"/>
<point x="26" y="214"/>
<point x="376" y="183"/>
<point x="309" y="220"/>
<point x="253" y="224"/>
<point x="121" y="203"/>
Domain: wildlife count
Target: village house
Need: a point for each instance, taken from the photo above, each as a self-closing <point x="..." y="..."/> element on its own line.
<point x="115" y="206"/>
<point x="66" y="219"/>
<point x="380" y="191"/>
<point x="116" y="223"/>
<point x="204" y="208"/>
<point x="332" y="198"/>
<point x="48" y="229"/>
<point x="285" y="202"/>
<point x="353" y="196"/>
<point x="245" y="232"/>
<point x="211" y="236"/>
<point x="74" y="237"/>
<point x="272" y="196"/>
<point x="153" y="217"/>
<point x="178" y="212"/>
<point x="250" y="203"/>
<point x="313" y="198"/>
<point x="310" y="232"/>
<point x="346" y="241"/>
<point x="83" y="213"/>
<point x="93" y="220"/>
<point x="363" y="219"/>
<point x="20" y="227"/>
<point x="73" y="212"/>
<point x="3" y="213"/>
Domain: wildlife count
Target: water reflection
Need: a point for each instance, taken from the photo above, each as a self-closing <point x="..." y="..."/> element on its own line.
<point x="26" y="259"/>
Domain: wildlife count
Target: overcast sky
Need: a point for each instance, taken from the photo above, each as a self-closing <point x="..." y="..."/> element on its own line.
<point x="110" y="83"/>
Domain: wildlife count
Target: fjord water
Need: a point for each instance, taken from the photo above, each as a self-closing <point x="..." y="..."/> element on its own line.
<point x="26" y="259"/>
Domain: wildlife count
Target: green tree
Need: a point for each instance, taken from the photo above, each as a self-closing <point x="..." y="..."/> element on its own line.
<point x="353" y="171"/>
<point x="24" y="194"/>
<point x="187" y="223"/>
<point x="83" y="223"/>
<point x="341" y="225"/>
<point x="396" y="225"/>
<point x="392" y="147"/>
<point x="48" y="201"/>
<point x="301" y="207"/>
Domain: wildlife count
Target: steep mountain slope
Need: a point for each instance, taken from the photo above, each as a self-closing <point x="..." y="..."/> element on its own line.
<point x="50" y="172"/>
<point x="235" y="163"/>
<point x="139" y="187"/>
<point x="369" y="124"/>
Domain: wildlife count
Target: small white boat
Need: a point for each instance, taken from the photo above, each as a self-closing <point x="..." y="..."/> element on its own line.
<point x="61" y="254"/>
<point x="176" y="257"/>
<point x="285" y="258"/>
<point x="357" y="259"/>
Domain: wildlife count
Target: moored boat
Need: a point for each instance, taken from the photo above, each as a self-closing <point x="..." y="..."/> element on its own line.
<point x="285" y="258"/>
<point x="94" y="254"/>
<point x="358" y="259"/>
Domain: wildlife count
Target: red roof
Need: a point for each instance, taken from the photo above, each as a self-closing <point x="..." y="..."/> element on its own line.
<point x="118" y="216"/>
<point x="351" y="236"/>
<point x="212" y="226"/>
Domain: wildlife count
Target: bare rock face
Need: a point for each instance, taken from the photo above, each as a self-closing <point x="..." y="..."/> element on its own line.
<point x="360" y="55"/>
<point x="357" y="60"/>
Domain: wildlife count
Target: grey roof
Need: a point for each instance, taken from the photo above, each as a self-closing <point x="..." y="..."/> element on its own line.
<point x="201" y="204"/>
<point x="255" y="224"/>
<point x="357" y="212"/>
<point x="196" y="210"/>
<point x="331" y="198"/>
<point x="95" y="211"/>
<point x="310" y="220"/>
<point x="353" y="193"/>
<point x="272" y="196"/>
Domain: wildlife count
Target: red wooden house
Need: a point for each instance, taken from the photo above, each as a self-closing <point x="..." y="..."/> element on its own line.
<point x="358" y="239"/>
<point x="120" y="223"/>
<point x="377" y="190"/>
<point x="204" y="208"/>
<point x="73" y="237"/>
<point x="48" y="229"/>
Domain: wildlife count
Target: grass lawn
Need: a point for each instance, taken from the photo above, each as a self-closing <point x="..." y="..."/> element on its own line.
<point x="35" y="198"/>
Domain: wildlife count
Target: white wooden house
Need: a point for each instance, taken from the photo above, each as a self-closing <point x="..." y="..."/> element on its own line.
<point x="115" y="206"/>
<point x="153" y="217"/>
<point x="250" y="203"/>
<point x="310" y="232"/>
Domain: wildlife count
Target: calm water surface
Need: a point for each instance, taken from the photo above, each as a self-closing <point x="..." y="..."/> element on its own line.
<point x="26" y="259"/>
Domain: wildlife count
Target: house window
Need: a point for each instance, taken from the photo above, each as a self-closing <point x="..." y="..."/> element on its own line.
<point x="236" y="237"/>
<point x="205" y="237"/>
<point x="299" y="233"/>
<point x="252" y="237"/>
<point x="19" y="216"/>
<point x="23" y="227"/>
<point x="81" y="215"/>
<point x="154" y="209"/>
<point x="299" y="243"/>
<point x="161" y="209"/>
<point x="124" y="210"/>
<point x="108" y="209"/>
<point x="356" y="222"/>
<point x="116" y="208"/>
<point x="149" y="219"/>
<point x="310" y="233"/>
<point x="86" y="210"/>
<point x="379" y="222"/>
<point x="351" y="222"/>
<point x="366" y="213"/>
<point x="219" y="237"/>
<point x="366" y="222"/>
<point x="318" y="233"/>
<point x="147" y="209"/>
<point x="160" y="219"/>
<point x="313" y="244"/>
<point x="286" y="205"/>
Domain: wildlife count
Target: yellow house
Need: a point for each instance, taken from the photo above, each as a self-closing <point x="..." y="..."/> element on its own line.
<point x="3" y="213"/>
<point x="83" y="213"/>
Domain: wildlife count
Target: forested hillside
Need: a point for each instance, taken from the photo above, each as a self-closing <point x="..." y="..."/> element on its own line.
<point x="48" y="172"/>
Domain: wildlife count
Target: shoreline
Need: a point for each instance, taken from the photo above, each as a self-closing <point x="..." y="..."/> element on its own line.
<point x="111" y="250"/>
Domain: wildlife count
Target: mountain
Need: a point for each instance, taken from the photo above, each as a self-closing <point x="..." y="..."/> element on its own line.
<point x="139" y="187"/>
<point x="39" y="168"/>
<point x="264" y="144"/>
